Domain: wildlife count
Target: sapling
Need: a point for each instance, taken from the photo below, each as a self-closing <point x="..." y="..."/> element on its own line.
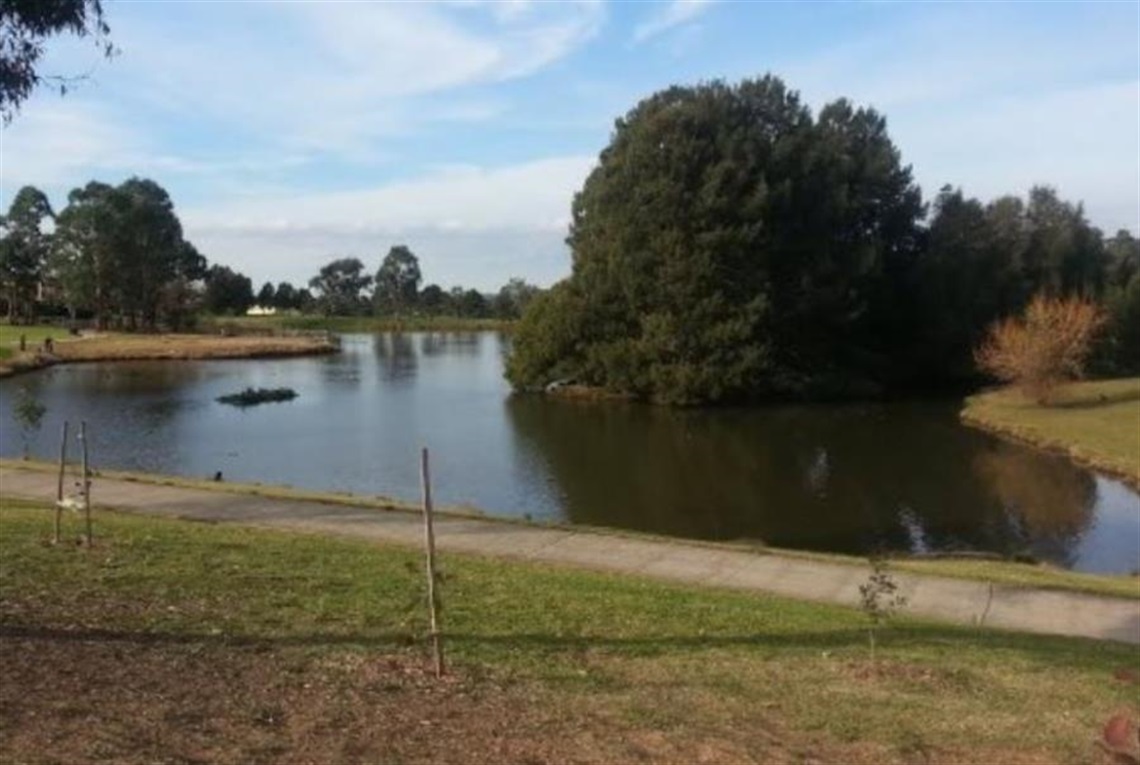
<point x="879" y="598"/>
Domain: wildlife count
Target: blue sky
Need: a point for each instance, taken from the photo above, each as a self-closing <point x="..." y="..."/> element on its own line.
<point x="289" y="133"/>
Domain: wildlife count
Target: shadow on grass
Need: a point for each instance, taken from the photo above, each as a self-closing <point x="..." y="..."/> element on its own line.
<point x="1074" y="653"/>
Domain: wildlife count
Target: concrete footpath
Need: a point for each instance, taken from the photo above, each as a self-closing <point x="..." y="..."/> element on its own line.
<point x="953" y="600"/>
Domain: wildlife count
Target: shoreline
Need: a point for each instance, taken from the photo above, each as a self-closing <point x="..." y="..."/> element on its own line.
<point x="165" y="347"/>
<point x="1027" y="437"/>
<point x="356" y="324"/>
<point x="970" y="568"/>
<point x="996" y="412"/>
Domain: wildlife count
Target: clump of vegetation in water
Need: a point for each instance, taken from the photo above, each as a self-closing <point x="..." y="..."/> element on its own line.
<point x="254" y="396"/>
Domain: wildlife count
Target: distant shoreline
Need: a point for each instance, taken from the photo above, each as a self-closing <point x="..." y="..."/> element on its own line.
<point x="163" y="347"/>
<point x="344" y="324"/>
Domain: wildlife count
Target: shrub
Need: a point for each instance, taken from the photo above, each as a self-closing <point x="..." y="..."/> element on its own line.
<point x="1044" y="347"/>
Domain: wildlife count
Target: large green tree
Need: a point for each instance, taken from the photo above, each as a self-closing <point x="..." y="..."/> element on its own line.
<point x="729" y="245"/>
<point x="341" y="285"/>
<point x="118" y="248"/>
<point x="227" y="291"/>
<point x="85" y="255"/>
<point x="397" y="281"/>
<point x="153" y="252"/>
<point x="24" y="248"/>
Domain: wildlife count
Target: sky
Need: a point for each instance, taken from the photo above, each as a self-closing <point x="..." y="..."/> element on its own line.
<point x="290" y="133"/>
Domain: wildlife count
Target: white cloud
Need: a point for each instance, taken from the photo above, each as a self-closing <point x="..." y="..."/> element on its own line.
<point x="475" y="225"/>
<point x="1081" y="140"/>
<point x="336" y="77"/>
<point x="993" y="104"/>
<point x="675" y="13"/>
<point x="532" y="195"/>
<point x="59" y="143"/>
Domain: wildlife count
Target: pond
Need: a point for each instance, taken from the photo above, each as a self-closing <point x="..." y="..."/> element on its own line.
<point x="853" y="478"/>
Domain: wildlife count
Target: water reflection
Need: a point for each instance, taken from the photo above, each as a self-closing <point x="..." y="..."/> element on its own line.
<point x="850" y="479"/>
<point x="396" y="352"/>
<point x="451" y="343"/>
<point x="1047" y="498"/>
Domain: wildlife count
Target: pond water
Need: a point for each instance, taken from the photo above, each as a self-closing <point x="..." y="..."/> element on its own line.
<point x="852" y="478"/>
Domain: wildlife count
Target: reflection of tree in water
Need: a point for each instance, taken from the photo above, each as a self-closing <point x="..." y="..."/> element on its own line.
<point x="396" y="353"/>
<point x="451" y="343"/>
<point x="1050" y="500"/>
<point x="134" y="410"/>
<point x="503" y="345"/>
<point x="850" y="479"/>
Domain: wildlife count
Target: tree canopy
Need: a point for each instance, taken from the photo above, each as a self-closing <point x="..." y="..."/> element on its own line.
<point x="227" y="291"/>
<point x="730" y="245"/>
<point x="341" y="286"/>
<point x="23" y="250"/>
<point x="397" y="281"/>
<point x="117" y="249"/>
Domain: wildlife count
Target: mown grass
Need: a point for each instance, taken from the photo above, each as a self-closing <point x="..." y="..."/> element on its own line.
<point x="344" y="324"/>
<point x="632" y="648"/>
<point x="34" y="335"/>
<point x="1095" y="422"/>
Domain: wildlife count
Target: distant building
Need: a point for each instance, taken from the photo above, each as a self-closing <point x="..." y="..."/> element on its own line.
<point x="258" y="310"/>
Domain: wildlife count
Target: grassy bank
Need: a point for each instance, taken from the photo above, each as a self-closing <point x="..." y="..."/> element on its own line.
<point x="1097" y="423"/>
<point x="176" y="640"/>
<point x="33" y="335"/>
<point x="125" y="347"/>
<point x="1007" y="573"/>
<point x="346" y="324"/>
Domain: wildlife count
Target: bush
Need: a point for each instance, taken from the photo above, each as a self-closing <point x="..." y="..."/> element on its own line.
<point x="1045" y="347"/>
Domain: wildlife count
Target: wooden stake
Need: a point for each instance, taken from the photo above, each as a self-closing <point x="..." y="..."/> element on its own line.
<point x="86" y="481"/>
<point x="59" y="486"/>
<point x="429" y="543"/>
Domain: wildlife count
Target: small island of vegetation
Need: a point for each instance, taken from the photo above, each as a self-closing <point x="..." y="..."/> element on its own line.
<point x="255" y="396"/>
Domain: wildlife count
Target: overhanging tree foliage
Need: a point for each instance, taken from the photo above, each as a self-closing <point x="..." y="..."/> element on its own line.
<point x="25" y="25"/>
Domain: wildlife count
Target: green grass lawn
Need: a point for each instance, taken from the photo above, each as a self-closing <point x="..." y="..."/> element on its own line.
<point x="1097" y="422"/>
<point x="35" y="334"/>
<point x="637" y="653"/>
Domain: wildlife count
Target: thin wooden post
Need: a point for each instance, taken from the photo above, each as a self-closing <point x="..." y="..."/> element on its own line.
<point x="429" y="543"/>
<point x="59" y="486"/>
<point x="86" y="481"/>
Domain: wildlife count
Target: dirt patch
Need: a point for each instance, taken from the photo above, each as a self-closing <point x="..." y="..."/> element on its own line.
<point x="84" y="696"/>
<point x="115" y="347"/>
<point x="123" y="347"/>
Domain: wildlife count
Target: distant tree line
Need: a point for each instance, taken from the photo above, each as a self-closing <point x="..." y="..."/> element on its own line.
<point x="116" y="255"/>
<point x="731" y="246"/>
<point x="343" y="287"/>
